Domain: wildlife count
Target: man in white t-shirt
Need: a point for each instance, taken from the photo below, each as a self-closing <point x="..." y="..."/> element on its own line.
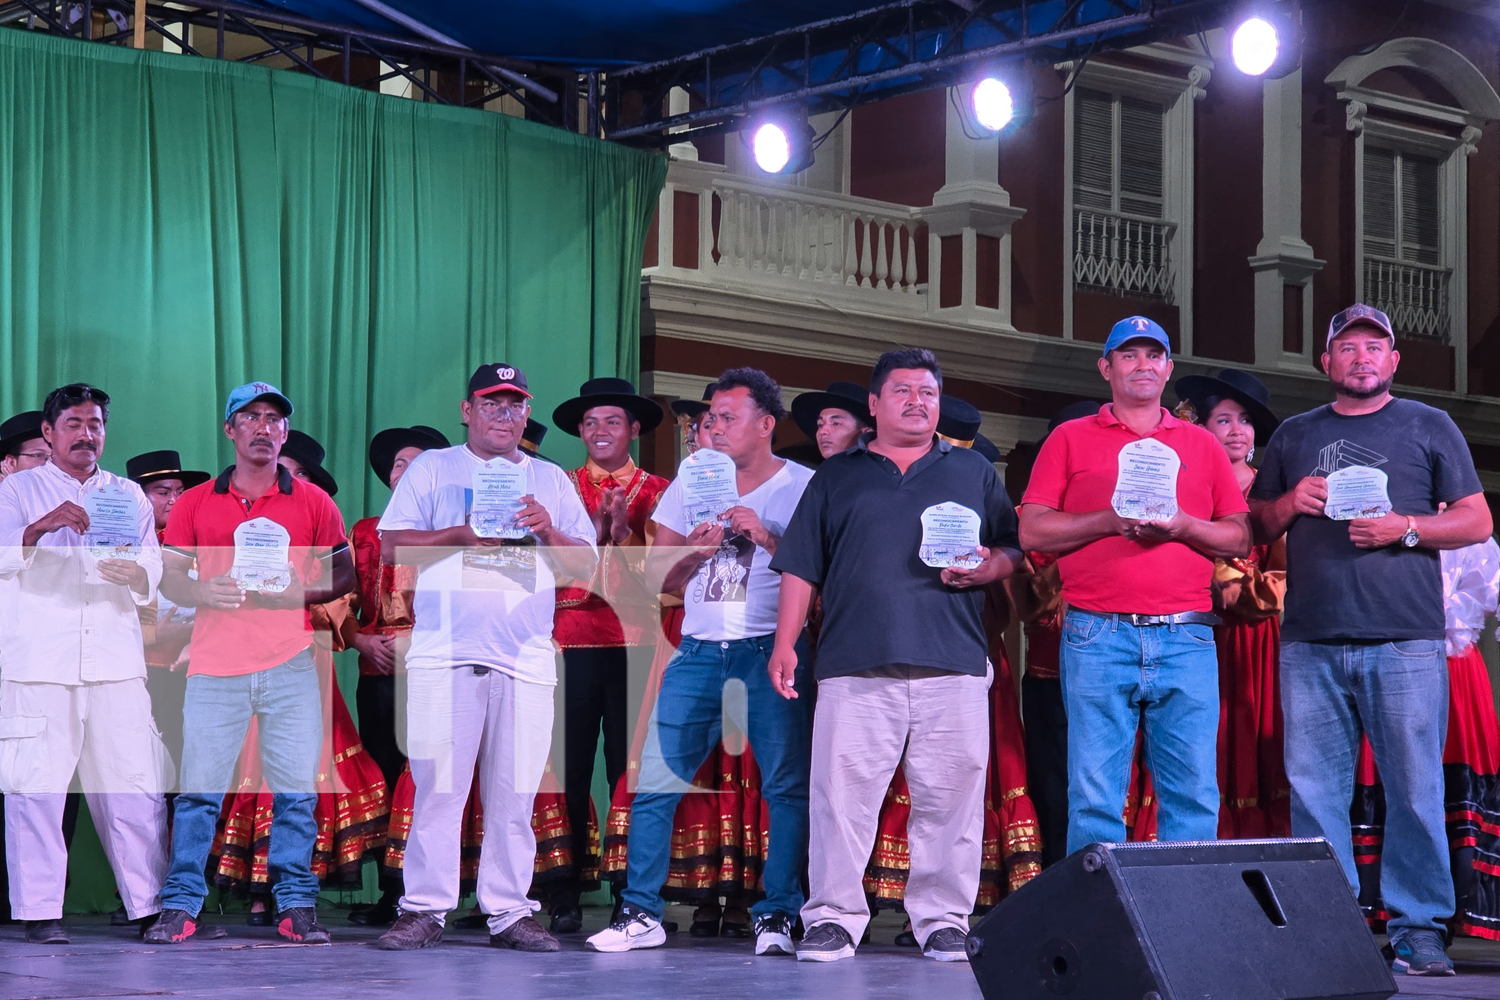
<point x="481" y="668"/>
<point x="723" y="569"/>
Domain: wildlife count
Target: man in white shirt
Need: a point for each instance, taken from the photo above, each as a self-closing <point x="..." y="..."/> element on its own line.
<point x="81" y="545"/>
<point x="481" y="667"/>
<point x="723" y="566"/>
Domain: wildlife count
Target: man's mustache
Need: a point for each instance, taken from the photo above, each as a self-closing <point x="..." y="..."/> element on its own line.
<point x="84" y="446"/>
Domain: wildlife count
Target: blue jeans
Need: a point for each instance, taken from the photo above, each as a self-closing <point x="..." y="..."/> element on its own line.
<point x="288" y="707"/>
<point x="686" y="725"/>
<point x="1397" y="694"/>
<point x="1116" y="675"/>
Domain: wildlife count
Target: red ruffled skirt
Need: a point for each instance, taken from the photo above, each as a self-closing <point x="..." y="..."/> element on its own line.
<point x="719" y="830"/>
<point x="1471" y="795"/>
<point x="1012" y="839"/>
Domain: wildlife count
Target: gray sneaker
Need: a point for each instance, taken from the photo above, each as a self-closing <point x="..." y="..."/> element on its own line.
<point x="946" y="944"/>
<point x="825" y="942"/>
<point x="1420" y="953"/>
<point x="410" y="932"/>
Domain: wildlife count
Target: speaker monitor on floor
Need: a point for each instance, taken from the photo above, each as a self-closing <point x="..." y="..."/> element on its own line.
<point x="1212" y="920"/>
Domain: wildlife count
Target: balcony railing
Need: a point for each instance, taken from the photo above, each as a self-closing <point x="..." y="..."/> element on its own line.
<point x="1123" y="255"/>
<point x="1414" y="296"/>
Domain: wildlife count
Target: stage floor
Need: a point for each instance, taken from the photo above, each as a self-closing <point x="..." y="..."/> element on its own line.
<point x="110" y="962"/>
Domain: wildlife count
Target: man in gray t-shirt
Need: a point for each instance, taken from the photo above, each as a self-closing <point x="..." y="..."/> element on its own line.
<point x="1367" y="490"/>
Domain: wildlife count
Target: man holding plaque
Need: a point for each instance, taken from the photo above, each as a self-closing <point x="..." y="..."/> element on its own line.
<point x="490" y="529"/>
<point x="266" y="546"/>
<point x="900" y="534"/>
<point x="718" y="527"/>
<point x="600" y="621"/>
<point x="78" y="542"/>
<point x="1357" y="486"/>
<point x="1137" y="504"/>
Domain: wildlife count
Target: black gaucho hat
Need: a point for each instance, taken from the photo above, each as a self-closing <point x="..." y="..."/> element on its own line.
<point x="1074" y="411"/>
<point x="19" y="429"/>
<point x="1231" y="383"/>
<point x="385" y="446"/>
<point x="693" y="408"/>
<point x="607" y="392"/>
<point x="848" y="396"/>
<point x="531" y="439"/>
<point x="959" y="422"/>
<point x="306" y="452"/>
<point x="154" y="465"/>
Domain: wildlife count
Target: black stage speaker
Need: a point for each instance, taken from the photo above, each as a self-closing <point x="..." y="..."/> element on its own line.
<point x="1209" y="920"/>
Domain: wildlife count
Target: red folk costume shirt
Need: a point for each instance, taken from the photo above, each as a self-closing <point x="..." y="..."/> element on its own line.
<point x="252" y="637"/>
<point x="385" y="592"/>
<point x="586" y="616"/>
<point x="1076" y="473"/>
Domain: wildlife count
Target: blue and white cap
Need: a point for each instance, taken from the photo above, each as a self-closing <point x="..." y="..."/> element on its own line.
<point x="1135" y="328"/>
<point x="242" y="396"/>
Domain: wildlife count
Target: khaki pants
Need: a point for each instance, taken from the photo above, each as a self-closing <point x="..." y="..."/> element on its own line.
<point x="861" y="729"/>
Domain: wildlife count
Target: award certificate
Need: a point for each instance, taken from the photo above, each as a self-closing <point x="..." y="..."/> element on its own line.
<point x="709" y="486"/>
<point x="1356" y="492"/>
<point x="114" y="523"/>
<point x="1146" y="488"/>
<point x="950" y="534"/>
<point x="499" y="486"/>
<point x="262" y="556"/>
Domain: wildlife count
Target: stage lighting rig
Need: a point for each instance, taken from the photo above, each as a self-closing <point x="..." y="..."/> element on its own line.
<point x="1265" y="42"/>
<point x="782" y="144"/>
<point x="992" y="104"/>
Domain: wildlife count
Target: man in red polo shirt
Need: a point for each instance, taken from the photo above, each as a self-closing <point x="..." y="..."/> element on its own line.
<point x="1138" y="504"/>
<point x="266" y="547"/>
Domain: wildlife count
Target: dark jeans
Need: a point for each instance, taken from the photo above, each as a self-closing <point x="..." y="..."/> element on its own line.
<point x="375" y="698"/>
<point x="168" y="690"/>
<point x="594" y="696"/>
<point x="1046" y="725"/>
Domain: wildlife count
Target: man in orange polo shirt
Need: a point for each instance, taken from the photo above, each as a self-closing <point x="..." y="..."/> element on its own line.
<point x="267" y="546"/>
<point x="1138" y="504"/>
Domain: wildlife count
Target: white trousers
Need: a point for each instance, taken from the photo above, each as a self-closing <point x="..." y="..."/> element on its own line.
<point x="938" y="725"/>
<point x="456" y="718"/>
<point x="105" y="733"/>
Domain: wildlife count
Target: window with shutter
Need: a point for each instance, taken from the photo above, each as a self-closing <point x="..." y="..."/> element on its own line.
<point x="1141" y="157"/>
<point x="1118" y="154"/>
<point x="1421" y="224"/>
<point x="1402" y="239"/>
<point x="1380" y="202"/>
<point x="1093" y="150"/>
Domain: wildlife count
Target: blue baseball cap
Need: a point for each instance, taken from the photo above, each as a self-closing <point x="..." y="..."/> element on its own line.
<point x="242" y="396"/>
<point x="1135" y="328"/>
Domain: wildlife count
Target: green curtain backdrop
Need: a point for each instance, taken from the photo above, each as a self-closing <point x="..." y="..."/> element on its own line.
<point x="174" y="226"/>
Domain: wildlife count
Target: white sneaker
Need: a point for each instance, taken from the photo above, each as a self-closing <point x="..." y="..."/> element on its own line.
<point x="773" y="935"/>
<point x="635" y="929"/>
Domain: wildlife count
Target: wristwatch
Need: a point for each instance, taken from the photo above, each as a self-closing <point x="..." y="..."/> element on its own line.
<point x="1412" y="536"/>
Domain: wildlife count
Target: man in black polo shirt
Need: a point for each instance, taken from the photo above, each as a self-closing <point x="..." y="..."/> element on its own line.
<point x="870" y="533"/>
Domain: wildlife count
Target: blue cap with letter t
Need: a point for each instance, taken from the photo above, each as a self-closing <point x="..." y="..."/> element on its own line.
<point x="1134" y="328"/>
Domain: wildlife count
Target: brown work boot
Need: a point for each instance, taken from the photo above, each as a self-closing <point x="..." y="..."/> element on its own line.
<point x="525" y="935"/>
<point x="410" y="932"/>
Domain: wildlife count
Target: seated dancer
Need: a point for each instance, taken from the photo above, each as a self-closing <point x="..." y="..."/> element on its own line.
<point x="1011" y="853"/>
<point x="598" y="623"/>
<point x="1136" y="563"/>
<point x="896" y="694"/>
<point x="253" y="658"/>
<point x="353" y="804"/>
<point x="481" y="667"/>
<point x="719" y="830"/>
<point x="74" y="698"/>
<point x="1256" y="799"/>
<point x="380" y="631"/>
<point x="723" y="564"/>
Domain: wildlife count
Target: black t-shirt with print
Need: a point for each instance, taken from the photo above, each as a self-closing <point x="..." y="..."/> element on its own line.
<point x="1336" y="591"/>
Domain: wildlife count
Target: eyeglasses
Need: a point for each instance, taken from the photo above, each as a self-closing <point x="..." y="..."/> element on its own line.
<point x="265" y="418"/>
<point x="491" y="410"/>
<point x="38" y="456"/>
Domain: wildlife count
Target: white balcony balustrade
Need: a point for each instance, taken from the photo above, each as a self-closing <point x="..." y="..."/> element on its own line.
<point x="1415" y="296"/>
<point x="1123" y="255"/>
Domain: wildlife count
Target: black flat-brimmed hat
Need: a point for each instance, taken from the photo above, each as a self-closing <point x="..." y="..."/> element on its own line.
<point x="385" y="445"/>
<point x="1231" y="383"/>
<point x="850" y="397"/>
<point x="959" y="422"/>
<point x="1074" y="411"/>
<point x="693" y="408"/>
<point x="154" y="465"/>
<point x="607" y="392"/>
<point x="19" y="429"/>
<point x="306" y="452"/>
<point x="531" y="439"/>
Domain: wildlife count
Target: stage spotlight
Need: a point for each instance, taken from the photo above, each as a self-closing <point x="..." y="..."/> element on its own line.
<point x="993" y="106"/>
<point x="1255" y="46"/>
<point x="772" y="148"/>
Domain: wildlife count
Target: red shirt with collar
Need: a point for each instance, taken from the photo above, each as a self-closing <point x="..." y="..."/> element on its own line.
<point x="252" y="637"/>
<point x="1075" y="472"/>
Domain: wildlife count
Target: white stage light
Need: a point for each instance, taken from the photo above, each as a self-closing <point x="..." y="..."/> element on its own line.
<point x="993" y="107"/>
<point x="1255" y="46"/>
<point x="772" y="148"/>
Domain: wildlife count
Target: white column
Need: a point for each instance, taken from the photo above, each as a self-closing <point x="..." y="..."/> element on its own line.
<point x="680" y="103"/>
